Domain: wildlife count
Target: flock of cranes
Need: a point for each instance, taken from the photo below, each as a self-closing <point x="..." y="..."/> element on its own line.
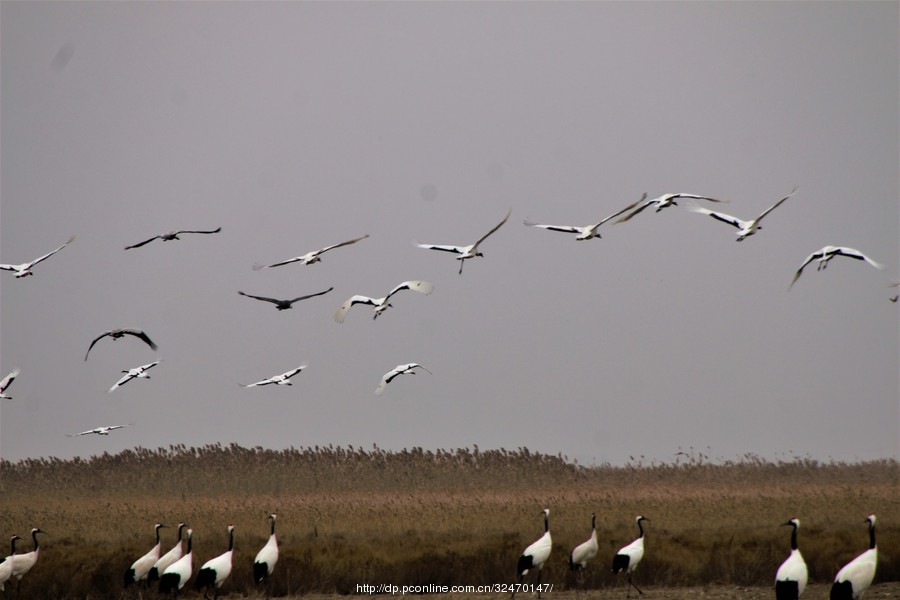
<point x="175" y="568"/>
<point x="791" y="578"/>
<point x="744" y="228"/>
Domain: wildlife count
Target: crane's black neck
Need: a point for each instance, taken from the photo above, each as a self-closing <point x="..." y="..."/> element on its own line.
<point x="871" y="535"/>
<point x="37" y="544"/>
<point x="180" y="527"/>
<point x="273" y="526"/>
<point x="157" y="533"/>
<point x="190" y="537"/>
<point x="794" y="537"/>
<point x="12" y="544"/>
<point x="594" y="522"/>
<point x="640" y="528"/>
<point x="546" y="522"/>
<point x="231" y="539"/>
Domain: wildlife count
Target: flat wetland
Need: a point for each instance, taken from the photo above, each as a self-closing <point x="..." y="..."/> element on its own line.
<point x="350" y="516"/>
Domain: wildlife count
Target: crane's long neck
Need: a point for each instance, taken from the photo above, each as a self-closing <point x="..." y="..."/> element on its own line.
<point x="273" y="527"/>
<point x="37" y="544"/>
<point x="640" y="528"/>
<point x="12" y="544"/>
<point x="794" y="537"/>
<point x="157" y="534"/>
<point x="871" y="535"/>
<point x="546" y="523"/>
<point x="190" y="537"/>
<point x="230" y="540"/>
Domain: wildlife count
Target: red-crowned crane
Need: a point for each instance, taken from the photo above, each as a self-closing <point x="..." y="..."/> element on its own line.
<point x="852" y="581"/>
<point x="466" y="252"/>
<point x="628" y="557"/>
<point x="791" y="578"/>
<point x="216" y="570"/>
<point x="535" y="555"/>
<point x="141" y="567"/>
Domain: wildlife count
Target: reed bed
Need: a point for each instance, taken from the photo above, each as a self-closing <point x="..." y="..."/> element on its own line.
<point x="348" y="516"/>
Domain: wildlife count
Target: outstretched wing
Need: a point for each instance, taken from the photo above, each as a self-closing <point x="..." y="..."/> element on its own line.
<point x="696" y="197"/>
<point x="733" y="221"/>
<point x="144" y="243"/>
<point x="854" y="253"/>
<point x="9" y="379"/>
<point x="423" y="287"/>
<point x="96" y="339"/>
<point x="259" y="266"/>
<point x="263" y="298"/>
<point x="49" y="254"/>
<point x="180" y="231"/>
<point x="637" y="211"/>
<point x="311" y="295"/>
<point x="347" y="243"/>
<point x="444" y="248"/>
<point x="776" y="205"/>
<point x="293" y="372"/>
<point x="88" y="432"/>
<point x="125" y="379"/>
<point x="809" y="259"/>
<point x="140" y="334"/>
<point x="341" y="312"/>
<point x="563" y="228"/>
<point x="624" y="210"/>
<point x="496" y="227"/>
<point x="258" y="383"/>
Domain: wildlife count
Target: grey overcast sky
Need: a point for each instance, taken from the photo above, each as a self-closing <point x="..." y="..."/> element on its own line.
<point x="296" y="125"/>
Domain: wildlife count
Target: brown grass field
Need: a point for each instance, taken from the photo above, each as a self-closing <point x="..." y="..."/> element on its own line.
<point x="349" y="516"/>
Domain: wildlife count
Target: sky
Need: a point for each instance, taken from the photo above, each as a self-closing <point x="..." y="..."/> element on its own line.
<point x="297" y="125"/>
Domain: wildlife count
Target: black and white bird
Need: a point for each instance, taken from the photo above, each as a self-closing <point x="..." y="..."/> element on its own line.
<point x="310" y="257"/>
<point x="115" y="334"/>
<point x="792" y="575"/>
<point x="628" y="557"/>
<point x="172" y="235"/>
<point x="24" y="269"/>
<point x="852" y="581"/>
<point x="7" y="381"/>
<point x="141" y="567"/>
<point x="664" y="201"/>
<point x="382" y="304"/>
<point x="174" y="553"/>
<point x="135" y="373"/>
<point x="265" y="560"/>
<point x="745" y="228"/>
<point x="825" y="254"/>
<point x="466" y="252"/>
<point x="179" y="572"/>
<point x="22" y="563"/>
<point x="282" y="379"/>
<point x="536" y="554"/>
<point x="407" y="369"/>
<point x="585" y="232"/>
<point x="585" y="551"/>
<point x="284" y="304"/>
<point x="216" y="570"/>
<point x="100" y="430"/>
<point x="6" y="563"/>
